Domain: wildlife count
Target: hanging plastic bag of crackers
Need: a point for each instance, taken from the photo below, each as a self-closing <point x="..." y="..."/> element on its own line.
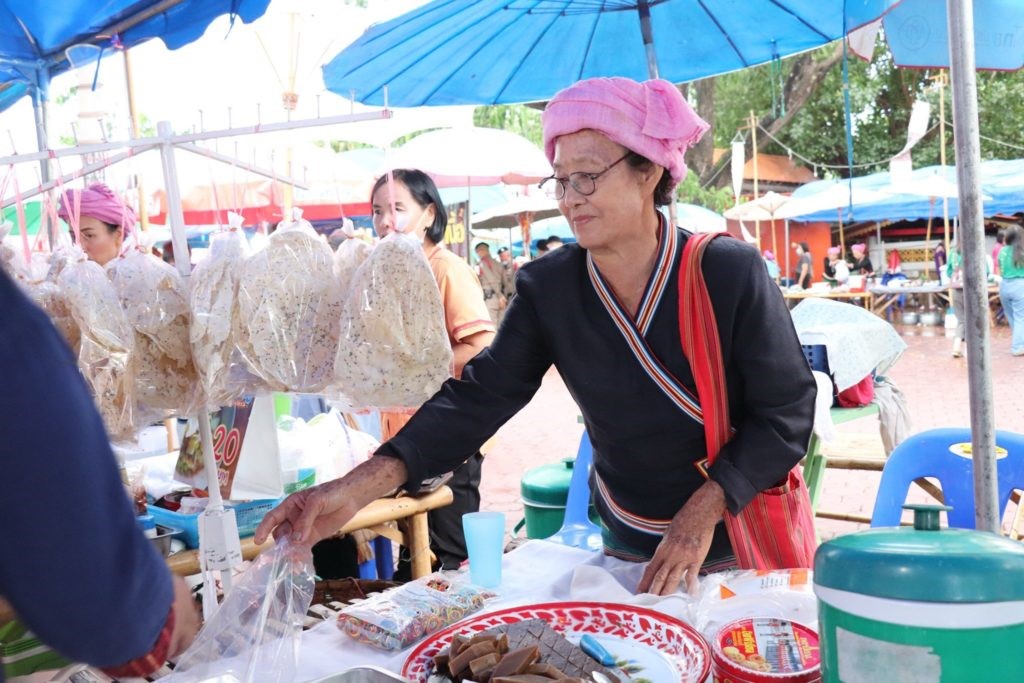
<point x="105" y="353"/>
<point x="154" y="300"/>
<point x="214" y="292"/>
<point x="394" y="350"/>
<point x="289" y="307"/>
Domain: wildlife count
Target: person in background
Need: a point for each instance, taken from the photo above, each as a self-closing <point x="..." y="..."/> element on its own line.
<point x="804" y="270"/>
<point x="541" y="247"/>
<point x="861" y="261"/>
<point x="1000" y="241"/>
<point x="828" y="270"/>
<point x="771" y="265"/>
<point x="418" y="210"/>
<point x="492" y="279"/>
<point x="1011" y="287"/>
<point x="554" y="242"/>
<point x="103" y="220"/>
<point x="509" y="276"/>
<point x="940" y="258"/>
<point x="66" y="522"/>
<point x="955" y="274"/>
<point x="617" y="152"/>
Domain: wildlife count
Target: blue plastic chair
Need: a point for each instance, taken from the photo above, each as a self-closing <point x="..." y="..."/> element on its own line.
<point x="577" y="529"/>
<point x="382" y="566"/>
<point x="928" y="454"/>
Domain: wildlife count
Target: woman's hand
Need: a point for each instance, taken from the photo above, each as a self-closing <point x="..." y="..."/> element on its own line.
<point x="686" y="542"/>
<point x="319" y="512"/>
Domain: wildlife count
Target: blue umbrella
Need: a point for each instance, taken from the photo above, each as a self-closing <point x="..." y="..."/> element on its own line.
<point x="504" y="51"/>
<point x="35" y="36"/>
<point x="918" y="34"/>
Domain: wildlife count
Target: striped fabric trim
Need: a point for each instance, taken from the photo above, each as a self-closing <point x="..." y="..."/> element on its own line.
<point x="634" y="334"/>
<point x="646" y="525"/>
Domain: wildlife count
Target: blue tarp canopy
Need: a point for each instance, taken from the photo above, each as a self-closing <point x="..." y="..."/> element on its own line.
<point x="34" y="35"/>
<point x="1002" y="187"/>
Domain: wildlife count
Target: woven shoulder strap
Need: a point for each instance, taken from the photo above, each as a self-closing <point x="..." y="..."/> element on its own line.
<point x="698" y="331"/>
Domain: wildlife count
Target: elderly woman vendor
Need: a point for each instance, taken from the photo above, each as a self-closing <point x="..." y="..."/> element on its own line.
<point x="99" y="219"/>
<point x="617" y="148"/>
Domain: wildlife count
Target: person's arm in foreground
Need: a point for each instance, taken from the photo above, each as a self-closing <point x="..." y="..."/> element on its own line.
<point x="778" y="408"/>
<point x="67" y="522"/>
<point x="446" y="430"/>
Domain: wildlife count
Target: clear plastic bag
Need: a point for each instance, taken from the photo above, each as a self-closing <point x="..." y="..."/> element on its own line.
<point x="214" y="292"/>
<point x="350" y="255"/>
<point x="394" y="350"/>
<point x="289" y="307"/>
<point x="155" y="302"/>
<point x="731" y="595"/>
<point x="107" y="343"/>
<point x="256" y="632"/>
<point x="397" y="618"/>
<point x="6" y="251"/>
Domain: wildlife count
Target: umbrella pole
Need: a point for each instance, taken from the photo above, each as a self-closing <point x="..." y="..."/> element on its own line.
<point x="787" y="248"/>
<point x="643" y="7"/>
<point x="842" y="237"/>
<point x="928" y="239"/>
<point x="942" y="157"/>
<point x="753" y="142"/>
<point x="960" y="15"/>
<point x="39" y="94"/>
<point x="133" y="114"/>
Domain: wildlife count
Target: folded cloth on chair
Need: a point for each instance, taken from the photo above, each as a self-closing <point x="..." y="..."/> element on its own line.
<point x="893" y="414"/>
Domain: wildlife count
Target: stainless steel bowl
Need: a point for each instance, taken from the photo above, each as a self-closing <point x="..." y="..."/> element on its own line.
<point x="364" y="674"/>
<point x="162" y="540"/>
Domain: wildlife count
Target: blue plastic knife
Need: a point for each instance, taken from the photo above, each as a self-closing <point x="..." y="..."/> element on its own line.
<point x="596" y="651"/>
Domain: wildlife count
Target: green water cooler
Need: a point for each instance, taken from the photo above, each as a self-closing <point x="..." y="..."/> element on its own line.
<point x="544" y="490"/>
<point x="921" y="604"/>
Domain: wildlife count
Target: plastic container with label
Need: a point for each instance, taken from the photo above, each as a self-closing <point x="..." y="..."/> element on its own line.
<point x="765" y="650"/>
<point x="921" y="604"/>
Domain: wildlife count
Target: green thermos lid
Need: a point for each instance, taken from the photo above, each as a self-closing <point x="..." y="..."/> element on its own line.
<point x="548" y="484"/>
<point x="924" y="563"/>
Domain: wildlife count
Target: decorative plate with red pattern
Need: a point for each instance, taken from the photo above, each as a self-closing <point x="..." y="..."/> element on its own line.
<point x="649" y="645"/>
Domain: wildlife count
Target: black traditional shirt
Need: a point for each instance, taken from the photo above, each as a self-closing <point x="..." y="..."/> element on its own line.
<point x="645" y="447"/>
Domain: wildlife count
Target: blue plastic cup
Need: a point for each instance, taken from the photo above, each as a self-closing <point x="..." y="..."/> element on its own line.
<point x="485" y="541"/>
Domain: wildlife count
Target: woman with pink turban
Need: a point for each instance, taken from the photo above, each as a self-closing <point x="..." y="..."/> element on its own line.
<point x="861" y="260"/>
<point x="605" y="312"/>
<point x="99" y="220"/>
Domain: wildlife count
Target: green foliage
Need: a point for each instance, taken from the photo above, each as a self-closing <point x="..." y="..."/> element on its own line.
<point x="881" y="97"/>
<point x="690" y="192"/>
<point x="516" y="118"/>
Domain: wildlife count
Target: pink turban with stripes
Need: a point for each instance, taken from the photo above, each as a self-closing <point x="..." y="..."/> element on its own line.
<point x="650" y="118"/>
<point x="100" y="202"/>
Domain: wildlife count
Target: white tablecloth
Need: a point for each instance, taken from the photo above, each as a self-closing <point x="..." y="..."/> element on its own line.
<point x="540" y="571"/>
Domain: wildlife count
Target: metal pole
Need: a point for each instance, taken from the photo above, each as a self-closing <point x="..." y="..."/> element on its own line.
<point x="972" y="240"/>
<point x="176" y="218"/>
<point x="644" y="8"/>
<point x="133" y="116"/>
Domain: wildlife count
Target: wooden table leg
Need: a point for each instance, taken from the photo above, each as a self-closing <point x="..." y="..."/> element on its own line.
<point x="419" y="545"/>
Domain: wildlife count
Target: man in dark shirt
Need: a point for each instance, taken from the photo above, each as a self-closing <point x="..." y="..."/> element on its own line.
<point x="66" y="523"/>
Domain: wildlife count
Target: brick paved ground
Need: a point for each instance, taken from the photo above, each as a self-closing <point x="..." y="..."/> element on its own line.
<point x="934" y="383"/>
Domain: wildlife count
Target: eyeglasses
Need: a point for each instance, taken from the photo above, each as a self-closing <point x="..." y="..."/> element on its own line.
<point x="584" y="183"/>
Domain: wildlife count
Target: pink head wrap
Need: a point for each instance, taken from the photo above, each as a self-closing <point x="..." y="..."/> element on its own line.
<point x="769" y="255"/>
<point x="860" y="246"/>
<point x="649" y="118"/>
<point x="833" y="251"/>
<point x="100" y="202"/>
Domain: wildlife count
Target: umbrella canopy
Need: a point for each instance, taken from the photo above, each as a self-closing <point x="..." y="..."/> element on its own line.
<point x="483" y="155"/>
<point x="918" y="35"/>
<point x="34" y="37"/>
<point x="763" y="208"/>
<point x="496" y="51"/>
<point x="835" y="196"/>
<point x="699" y="219"/>
<point x="504" y="215"/>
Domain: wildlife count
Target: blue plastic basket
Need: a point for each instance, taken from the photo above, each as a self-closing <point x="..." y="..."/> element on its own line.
<point x="249" y="514"/>
<point x="817" y="356"/>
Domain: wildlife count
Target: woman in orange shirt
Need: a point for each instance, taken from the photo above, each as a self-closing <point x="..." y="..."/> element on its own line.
<point x="413" y="205"/>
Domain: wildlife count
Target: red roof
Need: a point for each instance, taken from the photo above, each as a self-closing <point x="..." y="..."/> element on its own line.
<point x="773" y="168"/>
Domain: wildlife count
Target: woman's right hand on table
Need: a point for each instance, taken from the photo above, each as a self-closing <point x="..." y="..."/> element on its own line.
<point x="319" y="512"/>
